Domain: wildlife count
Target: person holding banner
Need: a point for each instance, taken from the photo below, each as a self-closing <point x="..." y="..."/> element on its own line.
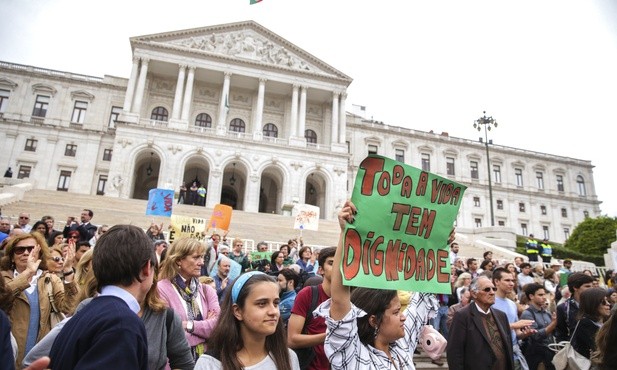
<point x="367" y="329"/>
<point x="196" y="304"/>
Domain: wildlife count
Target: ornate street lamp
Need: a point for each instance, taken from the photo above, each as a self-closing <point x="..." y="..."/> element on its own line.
<point x="487" y="123"/>
<point x="149" y="169"/>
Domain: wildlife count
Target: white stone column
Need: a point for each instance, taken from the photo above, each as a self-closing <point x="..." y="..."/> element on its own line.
<point x="334" y="138"/>
<point x="342" y="120"/>
<point x="294" y="112"/>
<point x="141" y="84"/>
<point x="224" y="101"/>
<point x="257" y="130"/>
<point x="302" y="113"/>
<point x="130" y="89"/>
<point x="175" y="110"/>
<point x="188" y="94"/>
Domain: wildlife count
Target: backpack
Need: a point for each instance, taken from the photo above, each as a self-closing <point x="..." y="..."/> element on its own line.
<point x="306" y="355"/>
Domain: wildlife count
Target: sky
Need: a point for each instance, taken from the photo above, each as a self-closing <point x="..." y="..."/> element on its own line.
<point x="546" y="70"/>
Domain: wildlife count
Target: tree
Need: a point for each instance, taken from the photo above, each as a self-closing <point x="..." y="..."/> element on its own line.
<point x="593" y="236"/>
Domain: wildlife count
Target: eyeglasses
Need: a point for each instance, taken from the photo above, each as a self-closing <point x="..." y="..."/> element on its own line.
<point x="606" y="303"/>
<point x="57" y="259"/>
<point x="225" y="252"/>
<point x="21" y="250"/>
<point x="73" y="237"/>
<point x="24" y="218"/>
<point x="488" y="289"/>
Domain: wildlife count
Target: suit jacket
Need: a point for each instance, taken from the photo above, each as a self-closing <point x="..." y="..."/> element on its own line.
<point x="86" y="232"/>
<point x="469" y="347"/>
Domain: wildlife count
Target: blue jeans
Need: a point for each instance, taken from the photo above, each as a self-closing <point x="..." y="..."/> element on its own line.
<point x="439" y="321"/>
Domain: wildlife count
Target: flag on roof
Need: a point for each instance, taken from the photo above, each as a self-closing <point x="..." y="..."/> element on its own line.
<point x="255" y="1"/>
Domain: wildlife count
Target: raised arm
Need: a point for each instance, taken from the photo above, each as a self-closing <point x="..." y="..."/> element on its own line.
<point x="340" y="296"/>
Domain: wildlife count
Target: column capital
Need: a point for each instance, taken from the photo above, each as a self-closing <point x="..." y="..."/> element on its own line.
<point x="136" y="59"/>
<point x="335" y="94"/>
<point x="344" y="94"/>
<point x="263" y="79"/>
<point x="295" y="86"/>
<point x="182" y="66"/>
<point x="228" y="74"/>
<point x="304" y="87"/>
<point x="192" y="68"/>
<point x="145" y="61"/>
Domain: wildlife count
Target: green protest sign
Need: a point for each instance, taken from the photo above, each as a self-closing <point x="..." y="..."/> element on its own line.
<point x="256" y="256"/>
<point x="399" y="236"/>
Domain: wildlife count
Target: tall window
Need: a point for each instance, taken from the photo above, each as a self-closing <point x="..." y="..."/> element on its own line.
<point x="564" y="212"/>
<point x="543" y="210"/>
<point x="30" y="145"/>
<point x="64" y="181"/>
<point x="159" y="114"/>
<point x="79" y="112"/>
<point x="426" y="162"/>
<point x="40" y="106"/>
<point x="497" y="173"/>
<point x="566" y="233"/>
<point x="310" y="136"/>
<point x="586" y="214"/>
<point x="372" y="149"/>
<point x="499" y="204"/>
<point x="24" y="172"/>
<point x="237" y="125"/>
<point x="540" y="180"/>
<point x="580" y="182"/>
<point x="545" y="232"/>
<point x="521" y="207"/>
<point x="501" y="223"/>
<point x="399" y="155"/>
<point x="107" y="154"/>
<point x="478" y="222"/>
<point x="100" y="187"/>
<point x="203" y="120"/>
<point x="70" y="150"/>
<point x="476" y="201"/>
<point x="474" y="169"/>
<point x="4" y="99"/>
<point x="519" y="176"/>
<point x="524" y="229"/>
<point x="560" y="183"/>
<point x="113" y="117"/>
<point x="450" y="166"/>
<point x="270" y="130"/>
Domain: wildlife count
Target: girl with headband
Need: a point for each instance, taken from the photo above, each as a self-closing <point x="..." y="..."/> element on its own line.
<point x="250" y="333"/>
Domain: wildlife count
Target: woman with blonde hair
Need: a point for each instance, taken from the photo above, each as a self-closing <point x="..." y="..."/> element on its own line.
<point x="83" y="266"/>
<point x="463" y="281"/>
<point x="25" y="270"/>
<point x="196" y="304"/>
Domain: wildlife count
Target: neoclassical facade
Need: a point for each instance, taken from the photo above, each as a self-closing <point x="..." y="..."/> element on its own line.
<point x="263" y="125"/>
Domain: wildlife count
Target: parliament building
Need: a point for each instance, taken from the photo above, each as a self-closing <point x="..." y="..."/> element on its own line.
<point x="263" y="125"/>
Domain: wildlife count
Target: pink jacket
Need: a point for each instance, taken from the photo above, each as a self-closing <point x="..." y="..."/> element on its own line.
<point x="209" y="302"/>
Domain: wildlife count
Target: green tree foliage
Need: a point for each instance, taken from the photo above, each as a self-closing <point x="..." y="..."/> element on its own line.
<point x="593" y="236"/>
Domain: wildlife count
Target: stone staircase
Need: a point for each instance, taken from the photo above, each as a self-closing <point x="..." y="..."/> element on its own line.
<point x="111" y="211"/>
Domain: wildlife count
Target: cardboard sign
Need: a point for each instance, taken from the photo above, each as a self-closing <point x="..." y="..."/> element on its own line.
<point x="160" y="202"/>
<point x="221" y="217"/>
<point x="191" y="227"/>
<point x="399" y="237"/>
<point x="307" y="217"/>
<point x="256" y="256"/>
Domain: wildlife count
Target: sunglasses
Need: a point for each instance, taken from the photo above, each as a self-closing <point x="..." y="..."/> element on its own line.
<point x="57" y="259"/>
<point x="21" y="250"/>
<point x="606" y="303"/>
<point x="73" y="237"/>
<point x="24" y="218"/>
<point x="488" y="289"/>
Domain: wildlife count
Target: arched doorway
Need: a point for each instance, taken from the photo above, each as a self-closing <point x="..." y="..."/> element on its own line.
<point x="270" y="190"/>
<point x="234" y="185"/>
<point x="146" y="175"/>
<point x="196" y="170"/>
<point x="315" y="192"/>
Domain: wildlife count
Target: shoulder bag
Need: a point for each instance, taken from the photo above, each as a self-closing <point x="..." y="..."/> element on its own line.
<point x="55" y="315"/>
<point x="568" y="359"/>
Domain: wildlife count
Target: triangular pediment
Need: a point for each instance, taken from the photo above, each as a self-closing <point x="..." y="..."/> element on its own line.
<point x="242" y="42"/>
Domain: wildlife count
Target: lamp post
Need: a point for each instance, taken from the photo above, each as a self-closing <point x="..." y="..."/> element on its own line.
<point x="487" y="123"/>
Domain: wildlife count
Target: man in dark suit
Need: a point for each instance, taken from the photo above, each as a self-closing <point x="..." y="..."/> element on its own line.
<point x="483" y="339"/>
<point x="85" y="228"/>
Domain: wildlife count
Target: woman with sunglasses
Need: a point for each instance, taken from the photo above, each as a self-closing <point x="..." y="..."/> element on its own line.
<point x="25" y="270"/>
<point x="593" y="310"/>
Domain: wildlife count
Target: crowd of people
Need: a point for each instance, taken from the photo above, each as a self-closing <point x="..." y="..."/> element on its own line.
<point x="129" y="299"/>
